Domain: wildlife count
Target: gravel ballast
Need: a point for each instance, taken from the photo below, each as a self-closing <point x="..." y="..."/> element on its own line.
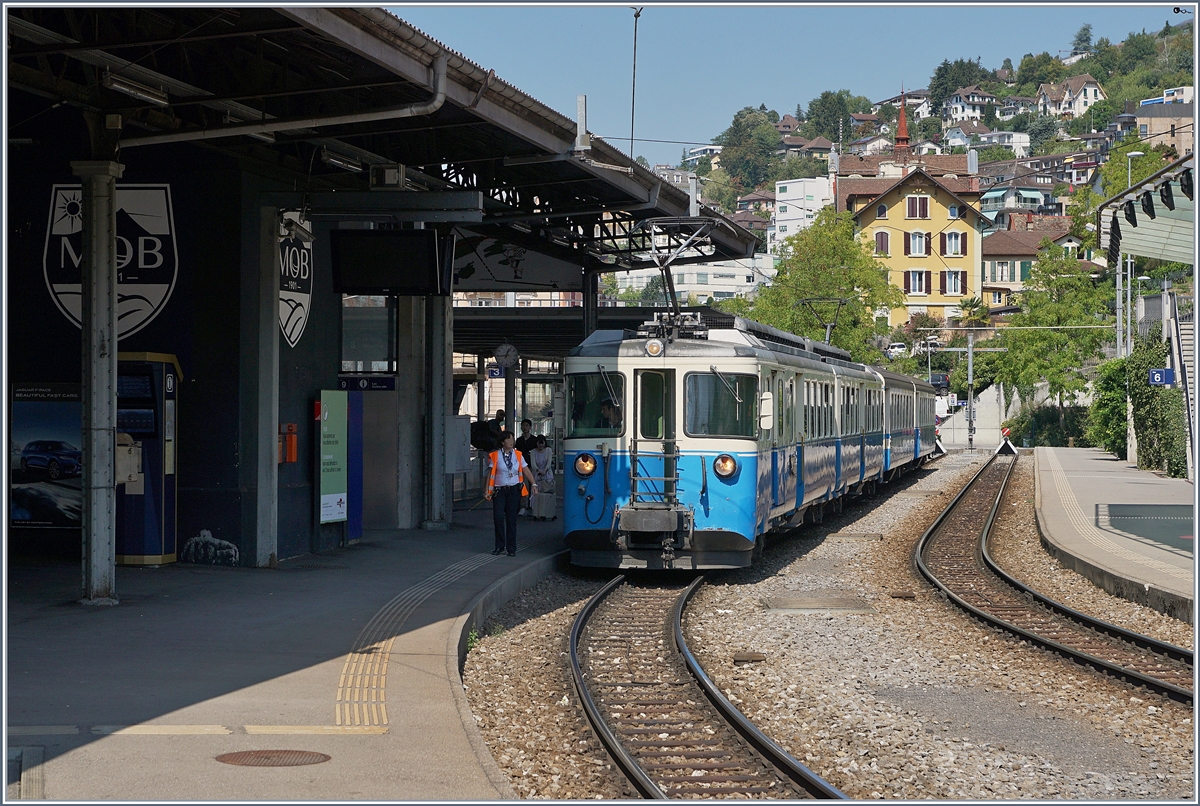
<point x="911" y="699"/>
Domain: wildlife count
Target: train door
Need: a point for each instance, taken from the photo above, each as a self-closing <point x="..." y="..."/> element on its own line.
<point x="778" y="446"/>
<point x="653" y="454"/>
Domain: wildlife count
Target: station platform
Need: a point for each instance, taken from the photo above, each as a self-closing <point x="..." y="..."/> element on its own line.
<point x="353" y="654"/>
<point x="1129" y="531"/>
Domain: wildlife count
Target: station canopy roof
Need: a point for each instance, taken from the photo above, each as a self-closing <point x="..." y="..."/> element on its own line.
<point x="309" y="94"/>
<point x="1146" y="225"/>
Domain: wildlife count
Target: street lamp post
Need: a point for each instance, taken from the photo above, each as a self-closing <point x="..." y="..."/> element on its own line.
<point x="1125" y="304"/>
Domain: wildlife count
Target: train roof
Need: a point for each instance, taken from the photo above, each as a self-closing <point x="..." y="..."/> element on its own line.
<point x="712" y="327"/>
<point x="896" y="377"/>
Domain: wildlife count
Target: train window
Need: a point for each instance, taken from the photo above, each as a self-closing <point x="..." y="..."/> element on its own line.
<point x="588" y="393"/>
<point x="711" y="409"/>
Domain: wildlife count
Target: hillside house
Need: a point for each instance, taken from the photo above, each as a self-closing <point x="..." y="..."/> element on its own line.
<point x="758" y="201"/>
<point x="871" y="144"/>
<point x="1015" y="105"/>
<point x="967" y="103"/>
<point x="788" y="124"/>
<point x="916" y="103"/>
<point x="1017" y="141"/>
<point x="1009" y="255"/>
<point x="963" y="134"/>
<point x="1070" y="97"/>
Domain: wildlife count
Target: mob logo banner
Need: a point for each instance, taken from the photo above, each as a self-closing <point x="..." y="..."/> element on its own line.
<point x="295" y="282"/>
<point x="147" y="257"/>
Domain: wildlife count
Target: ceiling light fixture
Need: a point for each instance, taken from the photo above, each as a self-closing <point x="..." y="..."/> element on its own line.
<point x="338" y="161"/>
<point x="1168" y="198"/>
<point x="133" y="89"/>
<point x="266" y="137"/>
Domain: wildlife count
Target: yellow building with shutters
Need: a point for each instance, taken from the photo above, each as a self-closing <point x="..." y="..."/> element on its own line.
<point x="928" y="231"/>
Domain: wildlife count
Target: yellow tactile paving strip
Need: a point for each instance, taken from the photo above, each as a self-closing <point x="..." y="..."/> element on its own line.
<point x="1093" y="535"/>
<point x="361" y="698"/>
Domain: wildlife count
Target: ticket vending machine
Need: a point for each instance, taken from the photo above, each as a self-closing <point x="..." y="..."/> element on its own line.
<point x="147" y="388"/>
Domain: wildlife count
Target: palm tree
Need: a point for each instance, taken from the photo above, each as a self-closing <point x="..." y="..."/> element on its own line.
<point x="973" y="313"/>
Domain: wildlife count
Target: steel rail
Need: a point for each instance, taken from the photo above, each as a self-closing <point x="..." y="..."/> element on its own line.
<point x="630" y="768"/>
<point x="1143" y="642"/>
<point x="769" y="755"/>
<point x="801" y="775"/>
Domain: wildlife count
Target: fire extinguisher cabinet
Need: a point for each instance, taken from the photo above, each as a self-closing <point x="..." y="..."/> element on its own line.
<point x="147" y="389"/>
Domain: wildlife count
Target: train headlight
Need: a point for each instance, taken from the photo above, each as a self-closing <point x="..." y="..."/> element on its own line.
<point x="725" y="465"/>
<point x="654" y="348"/>
<point x="585" y="464"/>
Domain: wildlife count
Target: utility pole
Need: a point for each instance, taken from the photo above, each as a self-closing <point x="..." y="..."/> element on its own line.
<point x="970" y="390"/>
<point x="637" y="12"/>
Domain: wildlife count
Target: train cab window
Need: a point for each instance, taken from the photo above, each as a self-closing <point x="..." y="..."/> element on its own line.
<point x="711" y="407"/>
<point x="596" y="403"/>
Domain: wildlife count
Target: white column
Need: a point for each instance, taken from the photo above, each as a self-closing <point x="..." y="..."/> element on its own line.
<point x="99" y="322"/>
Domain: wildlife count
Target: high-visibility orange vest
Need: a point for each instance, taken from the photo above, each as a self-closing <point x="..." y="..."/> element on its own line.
<point x="494" y="458"/>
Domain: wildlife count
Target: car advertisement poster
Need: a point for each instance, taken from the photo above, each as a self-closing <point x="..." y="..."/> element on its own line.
<point x="332" y="464"/>
<point x="45" y="458"/>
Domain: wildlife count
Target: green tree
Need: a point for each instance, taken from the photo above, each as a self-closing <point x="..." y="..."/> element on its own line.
<point x="1059" y="297"/>
<point x="642" y="161"/>
<point x="828" y="110"/>
<point x="720" y="190"/>
<point x="1159" y="421"/>
<point x="1107" y="423"/>
<point x="749" y="146"/>
<point x="1040" y="69"/>
<point x="1042" y="130"/>
<point x="1116" y="173"/>
<point x="1007" y="66"/>
<point x="807" y="167"/>
<point x="950" y="76"/>
<point x="1082" y="43"/>
<point x="926" y="128"/>
<point x="996" y="154"/>
<point x="828" y="260"/>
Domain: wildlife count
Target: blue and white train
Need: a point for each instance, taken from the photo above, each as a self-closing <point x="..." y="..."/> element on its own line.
<point x="685" y="446"/>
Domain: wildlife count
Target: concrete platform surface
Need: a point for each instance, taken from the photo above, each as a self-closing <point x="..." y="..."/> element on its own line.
<point x="1127" y="530"/>
<point x="352" y="653"/>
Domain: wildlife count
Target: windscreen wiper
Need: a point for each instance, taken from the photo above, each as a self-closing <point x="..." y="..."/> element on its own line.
<point x="725" y="381"/>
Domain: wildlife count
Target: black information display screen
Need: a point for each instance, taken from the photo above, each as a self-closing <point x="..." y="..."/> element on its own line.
<point x="386" y="262"/>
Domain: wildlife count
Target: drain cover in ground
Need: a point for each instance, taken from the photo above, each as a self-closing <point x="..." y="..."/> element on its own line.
<point x="817" y="604"/>
<point x="273" y="758"/>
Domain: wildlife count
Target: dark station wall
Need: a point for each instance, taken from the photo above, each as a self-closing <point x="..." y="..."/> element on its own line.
<point x="213" y="201"/>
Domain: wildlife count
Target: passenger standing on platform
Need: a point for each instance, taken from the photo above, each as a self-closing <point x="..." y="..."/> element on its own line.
<point x="505" y="486"/>
<point x="541" y="460"/>
<point x="525" y="445"/>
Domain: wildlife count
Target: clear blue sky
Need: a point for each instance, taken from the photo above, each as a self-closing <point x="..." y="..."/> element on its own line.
<point x="697" y="65"/>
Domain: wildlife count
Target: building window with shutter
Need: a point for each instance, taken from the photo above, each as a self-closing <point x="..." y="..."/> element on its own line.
<point x="914" y="282"/>
<point x="953" y="283"/>
<point x="997" y="298"/>
<point x="881" y="243"/>
<point x="916" y="244"/>
<point x="917" y="207"/>
<point x="954" y="244"/>
<point x="953" y="212"/>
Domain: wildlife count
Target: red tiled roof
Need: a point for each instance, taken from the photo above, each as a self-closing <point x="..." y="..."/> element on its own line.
<point x="758" y="195"/>
<point x="932" y="164"/>
<point x="819" y="142"/>
<point x="877" y="186"/>
<point x="794" y="140"/>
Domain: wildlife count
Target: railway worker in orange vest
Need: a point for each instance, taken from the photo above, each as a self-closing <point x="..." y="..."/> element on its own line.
<point x="505" y="487"/>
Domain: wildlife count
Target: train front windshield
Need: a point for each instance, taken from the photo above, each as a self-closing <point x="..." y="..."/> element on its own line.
<point x="722" y="405"/>
<point x="595" y="401"/>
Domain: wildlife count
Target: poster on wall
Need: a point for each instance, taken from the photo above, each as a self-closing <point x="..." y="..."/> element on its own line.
<point x="332" y="463"/>
<point x="147" y="259"/>
<point x="295" y="280"/>
<point x="45" y="459"/>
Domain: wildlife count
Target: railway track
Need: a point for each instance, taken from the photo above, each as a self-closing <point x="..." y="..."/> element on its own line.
<point x="665" y="724"/>
<point x="953" y="556"/>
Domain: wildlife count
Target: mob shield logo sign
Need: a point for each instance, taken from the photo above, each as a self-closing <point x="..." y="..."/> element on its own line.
<point x="147" y="257"/>
<point x="295" y="283"/>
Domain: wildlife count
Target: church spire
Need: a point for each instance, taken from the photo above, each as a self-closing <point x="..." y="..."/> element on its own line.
<point x="901" y="150"/>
